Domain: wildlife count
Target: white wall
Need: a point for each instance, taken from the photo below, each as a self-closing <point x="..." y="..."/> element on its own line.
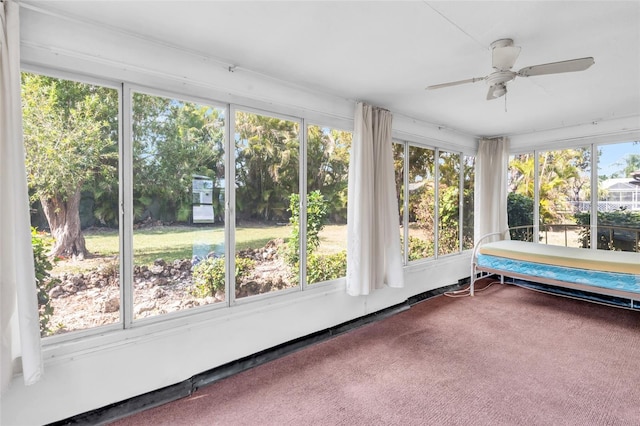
<point x="95" y="375"/>
<point x="96" y="371"/>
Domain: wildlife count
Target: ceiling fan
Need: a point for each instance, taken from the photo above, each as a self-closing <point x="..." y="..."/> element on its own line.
<point x="504" y="55"/>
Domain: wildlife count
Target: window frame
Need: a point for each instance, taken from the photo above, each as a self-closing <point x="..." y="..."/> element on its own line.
<point x="127" y="327"/>
<point x="117" y="326"/>
<point x="230" y="264"/>
<point x="593" y="144"/>
<point x="127" y="323"/>
<point x="127" y="185"/>
<point x="407" y="143"/>
<point x="303" y="206"/>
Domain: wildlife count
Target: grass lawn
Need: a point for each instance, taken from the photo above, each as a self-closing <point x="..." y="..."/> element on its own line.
<point x="333" y="239"/>
<point x="182" y="242"/>
<point x="178" y="242"/>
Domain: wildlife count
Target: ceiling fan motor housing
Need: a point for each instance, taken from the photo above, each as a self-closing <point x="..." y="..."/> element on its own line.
<point x="503" y="42"/>
<point x="504" y="55"/>
<point x="500" y="77"/>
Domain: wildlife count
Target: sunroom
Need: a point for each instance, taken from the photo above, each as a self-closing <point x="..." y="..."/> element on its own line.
<point x="190" y="171"/>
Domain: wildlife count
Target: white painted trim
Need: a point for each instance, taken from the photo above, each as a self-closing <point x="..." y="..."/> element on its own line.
<point x="604" y="131"/>
<point x="125" y="187"/>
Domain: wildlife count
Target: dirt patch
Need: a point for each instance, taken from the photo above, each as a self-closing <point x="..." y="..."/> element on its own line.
<point x="91" y="296"/>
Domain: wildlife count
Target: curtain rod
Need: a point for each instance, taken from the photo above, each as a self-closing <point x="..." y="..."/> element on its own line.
<point x="373" y="106"/>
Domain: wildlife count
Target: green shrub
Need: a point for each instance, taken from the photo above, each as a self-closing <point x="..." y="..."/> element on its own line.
<point x="448" y="240"/>
<point x="317" y="210"/>
<point x="208" y="275"/>
<point x="44" y="281"/>
<point x="520" y="213"/>
<point x="610" y="238"/>
<point x="448" y="234"/>
<point x="326" y="267"/>
<point x="418" y="248"/>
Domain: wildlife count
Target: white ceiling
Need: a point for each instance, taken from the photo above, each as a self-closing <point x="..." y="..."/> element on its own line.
<point x="386" y="53"/>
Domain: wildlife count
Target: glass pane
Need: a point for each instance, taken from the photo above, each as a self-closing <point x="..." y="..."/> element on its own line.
<point x="178" y="197"/>
<point x="521" y="196"/>
<point x="398" y="167"/>
<point x="564" y="185"/>
<point x="467" y="212"/>
<point x="267" y="170"/>
<point x="327" y="184"/>
<point x="421" y="203"/>
<point x="449" y="203"/>
<point x="71" y="144"/>
<point x="619" y="196"/>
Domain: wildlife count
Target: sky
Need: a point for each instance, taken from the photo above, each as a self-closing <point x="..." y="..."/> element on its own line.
<point x="612" y="157"/>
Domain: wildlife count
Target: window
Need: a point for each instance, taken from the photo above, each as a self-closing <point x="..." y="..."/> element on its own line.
<point x="399" y="175"/>
<point x="564" y="185"/>
<point x="451" y="198"/>
<point x="178" y="205"/>
<point x="267" y="183"/>
<point x="448" y="202"/>
<point x="618" y="208"/>
<point x="469" y="166"/>
<point x="561" y="185"/>
<point x="520" y="201"/>
<point x="564" y="178"/>
<point x="72" y="155"/>
<point x="173" y="174"/>
<point x="421" y="203"/>
<point x="326" y="198"/>
<point x="134" y="202"/>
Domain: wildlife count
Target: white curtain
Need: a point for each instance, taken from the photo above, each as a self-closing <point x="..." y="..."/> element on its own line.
<point x="19" y="319"/>
<point x="490" y="201"/>
<point x="373" y="237"/>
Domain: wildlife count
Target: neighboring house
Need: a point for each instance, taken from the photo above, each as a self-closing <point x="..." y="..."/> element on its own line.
<point x="621" y="193"/>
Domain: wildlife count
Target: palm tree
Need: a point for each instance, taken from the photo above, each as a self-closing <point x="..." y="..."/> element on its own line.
<point x="267" y="164"/>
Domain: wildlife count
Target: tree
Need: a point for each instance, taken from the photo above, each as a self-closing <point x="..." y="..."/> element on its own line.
<point x="421" y="165"/>
<point x="469" y="165"/>
<point x="562" y="178"/>
<point x="173" y="140"/>
<point x="449" y="202"/>
<point x="520" y="213"/>
<point x="328" y="168"/>
<point x="267" y="171"/>
<point x="69" y="143"/>
<point x="632" y="164"/>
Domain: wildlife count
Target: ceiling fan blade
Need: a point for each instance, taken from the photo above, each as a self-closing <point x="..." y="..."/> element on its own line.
<point x="455" y="83"/>
<point x="496" y="91"/>
<point x="557" y="67"/>
<point x="503" y="58"/>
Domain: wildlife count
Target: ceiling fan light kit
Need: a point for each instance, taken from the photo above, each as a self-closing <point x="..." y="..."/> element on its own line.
<point x="503" y="56"/>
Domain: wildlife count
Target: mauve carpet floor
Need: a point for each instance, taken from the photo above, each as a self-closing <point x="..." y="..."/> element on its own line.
<point x="509" y="356"/>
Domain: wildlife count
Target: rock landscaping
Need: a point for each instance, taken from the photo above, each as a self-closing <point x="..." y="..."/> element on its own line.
<point x="85" y="300"/>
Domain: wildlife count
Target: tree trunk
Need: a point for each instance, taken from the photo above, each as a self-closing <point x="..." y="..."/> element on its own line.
<point x="64" y="222"/>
